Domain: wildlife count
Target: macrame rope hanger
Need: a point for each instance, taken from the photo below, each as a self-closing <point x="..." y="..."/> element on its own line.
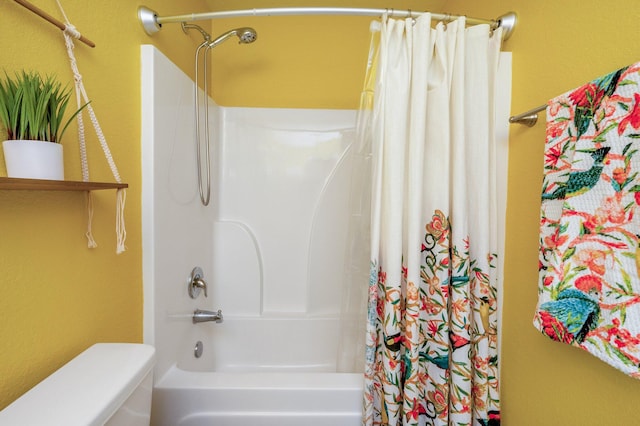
<point x="70" y="33"/>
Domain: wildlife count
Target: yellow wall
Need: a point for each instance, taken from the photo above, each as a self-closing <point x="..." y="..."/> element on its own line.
<point x="56" y="296"/>
<point x="558" y="45"/>
<point x="297" y="62"/>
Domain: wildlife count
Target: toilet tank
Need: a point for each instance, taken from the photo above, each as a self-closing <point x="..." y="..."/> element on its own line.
<point x="108" y="384"/>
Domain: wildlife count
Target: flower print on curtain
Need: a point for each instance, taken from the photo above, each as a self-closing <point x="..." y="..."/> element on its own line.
<point x="431" y="355"/>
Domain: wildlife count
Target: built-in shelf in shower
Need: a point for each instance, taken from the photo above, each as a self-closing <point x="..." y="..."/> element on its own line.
<point x="56" y="185"/>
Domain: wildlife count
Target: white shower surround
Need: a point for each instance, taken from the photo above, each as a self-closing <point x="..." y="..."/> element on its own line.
<point x="271" y="244"/>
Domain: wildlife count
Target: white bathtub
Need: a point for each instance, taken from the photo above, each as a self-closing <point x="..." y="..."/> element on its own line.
<point x="264" y="371"/>
<point x="186" y="398"/>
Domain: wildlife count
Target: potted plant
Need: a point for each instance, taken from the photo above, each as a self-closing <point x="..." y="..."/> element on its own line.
<point x="32" y="112"/>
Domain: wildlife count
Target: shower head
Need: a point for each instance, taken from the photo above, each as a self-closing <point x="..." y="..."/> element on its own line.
<point x="245" y="36"/>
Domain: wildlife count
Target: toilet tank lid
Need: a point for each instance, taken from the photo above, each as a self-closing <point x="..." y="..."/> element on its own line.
<point x="85" y="391"/>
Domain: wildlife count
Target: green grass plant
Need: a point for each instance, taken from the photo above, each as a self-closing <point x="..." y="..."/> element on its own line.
<point x="33" y="108"/>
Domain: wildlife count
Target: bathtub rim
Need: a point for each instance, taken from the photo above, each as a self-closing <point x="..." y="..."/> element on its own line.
<point x="177" y="378"/>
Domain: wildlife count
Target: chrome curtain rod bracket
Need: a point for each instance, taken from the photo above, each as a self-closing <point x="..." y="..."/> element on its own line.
<point x="528" y="118"/>
<point x="508" y="23"/>
<point x="152" y="23"/>
<point x="149" y="20"/>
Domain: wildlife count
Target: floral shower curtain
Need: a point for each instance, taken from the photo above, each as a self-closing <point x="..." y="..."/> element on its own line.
<point x="431" y="341"/>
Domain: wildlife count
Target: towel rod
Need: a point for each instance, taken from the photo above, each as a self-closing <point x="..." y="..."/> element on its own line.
<point x="528" y="118"/>
<point x="44" y="15"/>
<point x="152" y="23"/>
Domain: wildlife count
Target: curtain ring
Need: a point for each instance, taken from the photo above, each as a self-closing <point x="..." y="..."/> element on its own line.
<point x="446" y="20"/>
<point x="413" y="20"/>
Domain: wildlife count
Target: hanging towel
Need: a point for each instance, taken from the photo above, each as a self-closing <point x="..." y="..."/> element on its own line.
<point x="589" y="284"/>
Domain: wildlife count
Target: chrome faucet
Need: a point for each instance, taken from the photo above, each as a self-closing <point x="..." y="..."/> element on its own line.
<point x="204" y="316"/>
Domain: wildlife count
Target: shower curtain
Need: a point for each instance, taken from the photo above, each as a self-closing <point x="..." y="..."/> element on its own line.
<point x="431" y="339"/>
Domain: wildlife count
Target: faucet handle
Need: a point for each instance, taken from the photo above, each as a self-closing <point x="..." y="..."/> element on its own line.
<point x="195" y="283"/>
<point x="200" y="283"/>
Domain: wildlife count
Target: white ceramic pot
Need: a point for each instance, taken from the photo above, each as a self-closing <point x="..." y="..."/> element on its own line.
<point x="33" y="159"/>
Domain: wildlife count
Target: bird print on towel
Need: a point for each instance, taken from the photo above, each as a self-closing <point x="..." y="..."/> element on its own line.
<point x="588" y="98"/>
<point x="582" y="180"/>
<point x="589" y="250"/>
<point x="571" y="316"/>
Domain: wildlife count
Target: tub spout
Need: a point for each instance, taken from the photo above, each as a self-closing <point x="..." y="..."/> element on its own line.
<point x="200" y="315"/>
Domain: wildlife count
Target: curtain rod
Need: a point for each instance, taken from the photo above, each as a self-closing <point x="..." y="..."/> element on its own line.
<point x="152" y="23"/>
<point x="44" y="15"/>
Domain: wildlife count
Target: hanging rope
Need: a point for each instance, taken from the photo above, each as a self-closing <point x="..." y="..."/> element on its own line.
<point x="70" y="33"/>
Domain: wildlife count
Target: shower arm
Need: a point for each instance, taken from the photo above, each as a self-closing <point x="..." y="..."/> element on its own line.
<point x="152" y="23"/>
<point x="186" y="27"/>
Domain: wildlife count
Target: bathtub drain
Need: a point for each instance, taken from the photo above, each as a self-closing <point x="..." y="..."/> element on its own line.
<point x="197" y="350"/>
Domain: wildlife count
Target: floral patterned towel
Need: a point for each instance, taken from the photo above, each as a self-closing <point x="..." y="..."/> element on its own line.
<point x="589" y="289"/>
